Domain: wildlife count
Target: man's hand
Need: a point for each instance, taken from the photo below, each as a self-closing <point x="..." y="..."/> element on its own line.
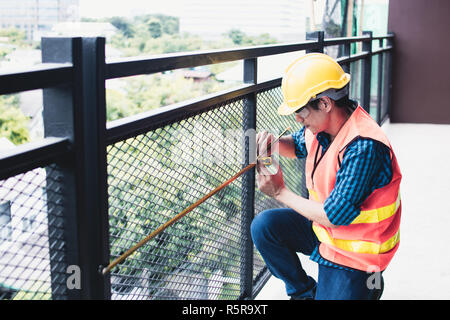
<point x="269" y="183"/>
<point x="263" y="139"/>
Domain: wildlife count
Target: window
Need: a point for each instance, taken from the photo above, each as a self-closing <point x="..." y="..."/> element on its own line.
<point x="28" y="223"/>
<point x="5" y="221"/>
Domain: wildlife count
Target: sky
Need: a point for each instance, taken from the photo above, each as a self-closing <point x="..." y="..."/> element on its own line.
<point x="109" y="8"/>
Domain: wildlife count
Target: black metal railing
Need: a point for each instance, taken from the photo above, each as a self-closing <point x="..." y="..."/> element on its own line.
<point x="90" y="190"/>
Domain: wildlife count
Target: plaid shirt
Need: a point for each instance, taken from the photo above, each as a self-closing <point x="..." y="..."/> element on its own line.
<point x="366" y="166"/>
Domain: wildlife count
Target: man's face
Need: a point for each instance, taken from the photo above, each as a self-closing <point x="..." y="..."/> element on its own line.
<point x="314" y="120"/>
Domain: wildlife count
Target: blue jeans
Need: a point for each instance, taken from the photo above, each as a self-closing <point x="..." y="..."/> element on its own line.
<point x="279" y="234"/>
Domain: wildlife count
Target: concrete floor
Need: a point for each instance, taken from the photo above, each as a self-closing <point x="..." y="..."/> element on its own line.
<point x="420" y="269"/>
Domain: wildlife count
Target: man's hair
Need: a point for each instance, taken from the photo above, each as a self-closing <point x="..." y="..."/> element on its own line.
<point x="345" y="102"/>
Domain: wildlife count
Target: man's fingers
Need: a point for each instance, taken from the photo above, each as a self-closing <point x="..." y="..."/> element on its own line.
<point x="260" y="138"/>
<point x="263" y="139"/>
<point x="262" y="169"/>
<point x="269" y="140"/>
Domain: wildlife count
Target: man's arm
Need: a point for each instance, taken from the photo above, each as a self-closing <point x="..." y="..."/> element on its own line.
<point x="310" y="209"/>
<point x="273" y="186"/>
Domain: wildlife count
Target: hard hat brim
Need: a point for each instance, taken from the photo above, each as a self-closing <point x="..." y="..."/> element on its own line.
<point x="285" y="110"/>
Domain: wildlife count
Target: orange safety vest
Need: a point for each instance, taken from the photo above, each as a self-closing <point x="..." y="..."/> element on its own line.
<point x="371" y="240"/>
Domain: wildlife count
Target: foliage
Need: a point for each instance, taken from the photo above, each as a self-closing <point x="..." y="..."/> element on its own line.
<point x="157" y="34"/>
<point x="145" y="93"/>
<point x="39" y="290"/>
<point x="332" y="29"/>
<point x="15" y="39"/>
<point x="154" y="27"/>
<point x="143" y="28"/>
<point x="13" y="123"/>
<point x="172" y="43"/>
<point x="14" y="35"/>
<point x="237" y="36"/>
<point x="4" y="52"/>
<point x="124" y="25"/>
<point x="240" y="38"/>
<point x="169" y="24"/>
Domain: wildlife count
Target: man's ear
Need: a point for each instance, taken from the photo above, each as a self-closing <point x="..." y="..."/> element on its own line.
<point x="325" y="104"/>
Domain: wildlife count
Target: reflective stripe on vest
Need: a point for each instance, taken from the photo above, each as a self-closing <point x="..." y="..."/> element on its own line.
<point x="377" y="215"/>
<point x="370" y="216"/>
<point x="357" y="246"/>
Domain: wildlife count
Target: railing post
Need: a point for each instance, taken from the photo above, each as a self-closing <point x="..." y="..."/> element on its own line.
<point x="366" y="74"/>
<point x="380" y="83"/>
<point x="346" y="52"/>
<point x="388" y="78"/>
<point x="79" y="113"/>
<point x="248" y="181"/>
<point x="319" y="36"/>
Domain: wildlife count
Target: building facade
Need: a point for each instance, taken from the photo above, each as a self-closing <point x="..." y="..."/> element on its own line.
<point x="36" y="16"/>
<point x="283" y="19"/>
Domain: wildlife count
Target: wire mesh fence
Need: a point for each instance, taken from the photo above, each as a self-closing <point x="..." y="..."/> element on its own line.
<point x="154" y="176"/>
<point x="31" y="236"/>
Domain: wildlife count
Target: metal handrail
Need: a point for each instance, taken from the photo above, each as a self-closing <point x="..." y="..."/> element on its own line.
<point x="40" y="76"/>
<point x="125" y="67"/>
<point x="31" y="155"/>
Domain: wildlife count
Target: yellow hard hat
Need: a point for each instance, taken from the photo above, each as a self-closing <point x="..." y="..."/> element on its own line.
<point x="310" y="77"/>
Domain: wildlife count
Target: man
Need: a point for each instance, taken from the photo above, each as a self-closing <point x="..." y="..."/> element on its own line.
<point x="350" y="223"/>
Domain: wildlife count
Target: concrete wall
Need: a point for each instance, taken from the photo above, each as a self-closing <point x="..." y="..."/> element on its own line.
<point x="421" y="66"/>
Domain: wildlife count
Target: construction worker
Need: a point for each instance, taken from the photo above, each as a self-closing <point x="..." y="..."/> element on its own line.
<point x="350" y="223"/>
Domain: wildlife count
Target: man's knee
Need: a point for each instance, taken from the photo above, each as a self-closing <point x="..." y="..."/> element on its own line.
<point x="262" y="224"/>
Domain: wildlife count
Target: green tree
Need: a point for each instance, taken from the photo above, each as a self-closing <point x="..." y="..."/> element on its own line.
<point x="171" y="26"/>
<point x="123" y="25"/>
<point x="155" y="29"/>
<point x="236" y="35"/>
<point x="119" y="105"/>
<point x="241" y="38"/>
<point x="262" y="39"/>
<point x="145" y="93"/>
<point x="15" y="36"/>
<point x="13" y="123"/>
<point x="4" y="52"/>
<point x="173" y="43"/>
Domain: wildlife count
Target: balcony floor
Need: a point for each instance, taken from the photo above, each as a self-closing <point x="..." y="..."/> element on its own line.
<point x="420" y="269"/>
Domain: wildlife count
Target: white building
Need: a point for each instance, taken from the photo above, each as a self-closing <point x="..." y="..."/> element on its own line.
<point x="35" y="16"/>
<point x="283" y="19"/>
<point x="83" y="29"/>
